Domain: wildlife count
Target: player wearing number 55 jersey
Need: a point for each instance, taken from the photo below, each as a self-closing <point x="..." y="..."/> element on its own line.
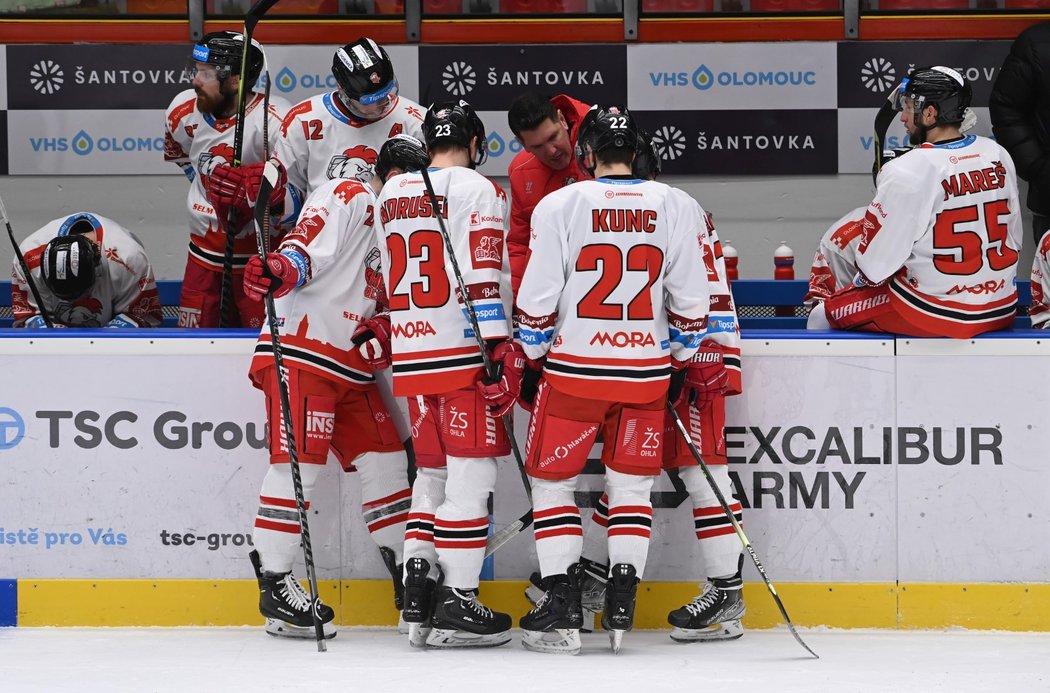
<point x="938" y="250"/>
<point x="613" y="297"/>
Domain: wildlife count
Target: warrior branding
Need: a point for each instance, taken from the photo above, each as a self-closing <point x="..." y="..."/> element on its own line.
<point x="623" y="220"/>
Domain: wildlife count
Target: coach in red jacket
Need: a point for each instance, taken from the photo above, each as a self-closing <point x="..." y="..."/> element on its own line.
<point x="546" y="129"/>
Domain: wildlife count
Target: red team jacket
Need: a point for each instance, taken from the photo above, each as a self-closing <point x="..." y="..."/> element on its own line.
<point x="531" y="181"/>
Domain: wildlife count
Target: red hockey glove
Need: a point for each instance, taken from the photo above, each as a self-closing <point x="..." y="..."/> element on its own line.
<point x="281" y="273"/>
<point x="372" y="339"/>
<point x="224" y="189"/>
<point x="501" y="391"/>
<point x="253" y="178"/>
<point x="707" y="377"/>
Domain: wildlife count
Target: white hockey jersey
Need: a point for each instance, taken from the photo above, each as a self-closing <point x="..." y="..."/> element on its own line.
<point x="198" y="142"/>
<point x="944" y="230"/>
<point x="835" y="262"/>
<point x="343" y="285"/>
<point x="321" y="141"/>
<point x="124" y="294"/>
<point x="1040" y="310"/>
<point x="433" y="344"/>
<point x="612" y="289"/>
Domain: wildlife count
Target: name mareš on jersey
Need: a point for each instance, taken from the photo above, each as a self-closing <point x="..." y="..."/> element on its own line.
<point x="412" y="208"/>
<point x="978" y="180"/>
<point x="808" y="449"/>
<point x="623" y="220"/>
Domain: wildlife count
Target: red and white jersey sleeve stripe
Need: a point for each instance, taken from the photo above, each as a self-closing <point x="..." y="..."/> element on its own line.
<point x="1040" y="310"/>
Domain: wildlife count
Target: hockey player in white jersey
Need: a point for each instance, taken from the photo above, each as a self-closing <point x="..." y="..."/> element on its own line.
<point x="937" y="255"/>
<point x="1040" y="309"/>
<point x="90" y="272"/>
<point x="338" y="134"/>
<point x="612" y="299"/>
<point x="438" y="366"/>
<point x="835" y="262"/>
<point x="326" y="280"/>
<point x="199" y="138"/>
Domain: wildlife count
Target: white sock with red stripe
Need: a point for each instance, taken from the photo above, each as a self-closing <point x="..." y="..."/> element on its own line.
<point x="385" y="497"/>
<point x="276" y="534"/>
<point x="461" y="522"/>
<point x="428" y="492"/>
<point x="596" y="536"/>
<point x="630" y="518"/>
<point x="720" y="548"/>
<point x="556" y="525"/>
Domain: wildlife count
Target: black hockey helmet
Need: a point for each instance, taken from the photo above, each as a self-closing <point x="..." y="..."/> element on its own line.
<point x="403" y="152"/>
<point x="602" y="128"/>
<point x="456" y="122"/>
<point x="223" y="50"/>
<point x="938" y="86"/>
<point x="69" y="265"/>
<point x="364" y="72"/>
<point x="646" y="164"/>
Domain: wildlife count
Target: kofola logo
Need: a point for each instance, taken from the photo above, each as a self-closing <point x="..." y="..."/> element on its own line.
<point x="84" y="143"/>
<point x="458" y="78"/>
<point x="704" y="78"/>
<point x="46" y="77"/>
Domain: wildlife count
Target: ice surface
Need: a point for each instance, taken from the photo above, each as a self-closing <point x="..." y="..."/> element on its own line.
<point x="200" y="660"/>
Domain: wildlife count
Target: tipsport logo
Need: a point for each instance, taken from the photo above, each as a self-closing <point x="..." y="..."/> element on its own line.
<point x="84" y="144"/>
<point x="704" y="78"/>
<point x="287" y="80"/>
<point x="12" y="428"/>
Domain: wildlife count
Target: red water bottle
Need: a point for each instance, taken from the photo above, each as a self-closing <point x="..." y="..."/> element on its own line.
<point x="731" y="258"/>
<point x="784" y="268"/>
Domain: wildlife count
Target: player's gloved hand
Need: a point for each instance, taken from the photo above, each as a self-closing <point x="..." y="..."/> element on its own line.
<point x="706" y="378"/>
<point x="253" y="179"/>
<point x="224" y="189"/>
<point x="38" y="322"/>
<point x="676" y="387"/>
<point x="372" y="339"/>
<point x="530" y="382"/>
<point x="281" y="273"/>
<point x="501" y="391"/>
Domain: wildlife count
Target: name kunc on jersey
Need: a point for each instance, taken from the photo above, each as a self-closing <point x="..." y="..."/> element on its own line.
<point x="433" y="345"/>
<point x="198" y="142"/>
<point x="612" y="290"/>
<point x="944" y="229"/>
<point x="321" y="141"/>
<point x="343" y="286"/>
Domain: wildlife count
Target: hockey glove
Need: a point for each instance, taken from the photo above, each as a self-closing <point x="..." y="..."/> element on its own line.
<point x="253" y="179"/>
<point x="38" y="322"/>
<point x="676" y="387"/>
<point x="500" y="392"/>
<point x="281" y="273"/>
<point x="372" y="339"/>
<point x="707" y="377"/>
<point x="224" y="189"/>
<point x="530" y="383"/>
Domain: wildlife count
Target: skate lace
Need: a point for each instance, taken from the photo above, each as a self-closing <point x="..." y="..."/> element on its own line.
<point x="708" y="598"/>
<point x="477" y="607"/>
<point x="294" y="593"/>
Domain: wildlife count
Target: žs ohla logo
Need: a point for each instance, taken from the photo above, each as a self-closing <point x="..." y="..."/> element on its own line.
<point x="458" y="78"/>
<point x="878" y="75"/>
<point x="46" y="77"/>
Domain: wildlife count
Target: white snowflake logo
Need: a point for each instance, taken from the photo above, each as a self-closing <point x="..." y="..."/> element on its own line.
<point x="669" y="142"/>
<point x="878" y="75"/>
<point x="458" y="78"/>
<point x="46" y="77"/>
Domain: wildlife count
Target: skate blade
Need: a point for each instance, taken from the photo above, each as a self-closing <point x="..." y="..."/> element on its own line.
<point x="616" y="640"/>
<point x="442" y="638"/>
<point x="402" y="627"/>
<point x="591" y="621"/>
<point x="727" y="630"/>
<point x="281" y="629"/>
<point x="417" y="634"/>
<point x="557" y="641"/>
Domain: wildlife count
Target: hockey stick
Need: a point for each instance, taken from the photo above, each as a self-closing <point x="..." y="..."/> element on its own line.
<point x="882" y="123"/>
<point x="262" y="223"/>
<point x="25" y="268"/>
<point x="736" y="525"/>
<point x="250" y="20"/>
<point x="489" y="370"/>
<point x="507" y="533"/>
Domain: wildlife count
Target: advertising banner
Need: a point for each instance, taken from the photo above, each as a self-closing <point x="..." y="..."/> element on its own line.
<point x="490" y="77"/>
<point x="731" y="76"/>
<point x="503" y="145"/>
<point x="3" y="71"/>
<point x="751" y="142"/>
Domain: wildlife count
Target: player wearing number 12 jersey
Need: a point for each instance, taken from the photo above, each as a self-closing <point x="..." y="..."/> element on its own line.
<point x="937" y="256"/>
<point x="613" y="298"/>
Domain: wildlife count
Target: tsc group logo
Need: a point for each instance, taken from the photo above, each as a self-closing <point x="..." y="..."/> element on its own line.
<point x="490" y="77"/>
<point x="12" y="428"/>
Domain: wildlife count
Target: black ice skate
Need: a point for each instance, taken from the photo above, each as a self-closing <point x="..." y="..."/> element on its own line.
<point x="554" y="624"/>
<point x="620" y="594"/>
<point x="714" y="615"/>
<point x="592" y="588"/>
<point x="286" y="605"/>
<point x="419" y="600"/>
<point x="460" y="620"/>
<point x="396" y="569"/>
